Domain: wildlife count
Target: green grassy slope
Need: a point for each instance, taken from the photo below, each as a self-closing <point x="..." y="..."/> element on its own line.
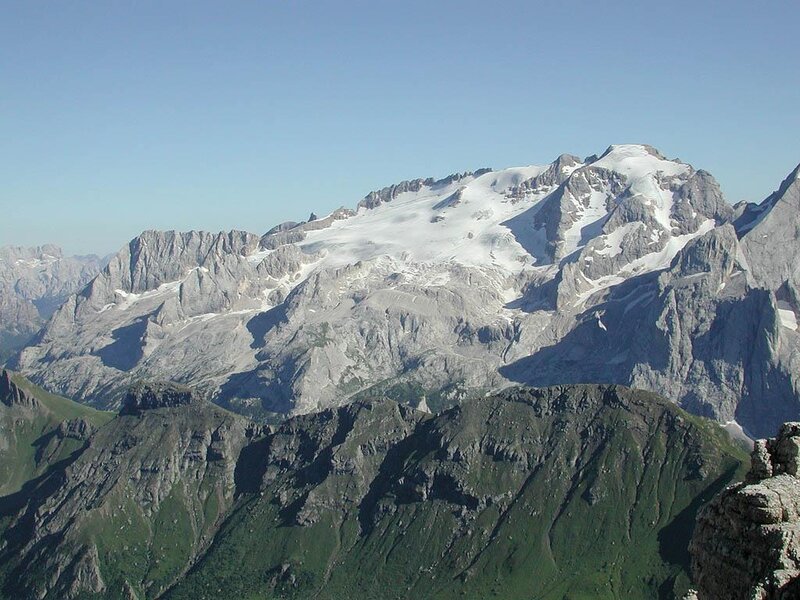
<point x="29" y="443"/>
<point x="574" y="492"/>
<point x="129" y="512"/>
<point x="569" y="492"/>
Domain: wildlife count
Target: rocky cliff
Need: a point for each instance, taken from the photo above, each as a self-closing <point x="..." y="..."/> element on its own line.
<point x="575" y="491"/>
<point x="746" y="544"/>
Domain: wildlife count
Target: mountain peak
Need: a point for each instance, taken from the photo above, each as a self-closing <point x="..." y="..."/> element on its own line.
<point x="430" y="283"/>
<point x="13" y="395"/>
<point x="774" y="221"/>
<point x="636" y="161"/>
<point x="628" y="150"/>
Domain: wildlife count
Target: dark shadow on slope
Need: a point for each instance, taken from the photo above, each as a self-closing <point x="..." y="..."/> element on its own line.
<point x="126" y="349"/>
<point x="584" y="355"/>
<point x="261" y="324"/>
<point x="386" y="483"/>
<point x="673" y="539"/>
<point x="49" y="305"/>
<point x="605" y="345"/>
<point x="251" y="466"/>
<point x="533" y="240"/>
<point x="592" y="230"/>
<point x="240" y="389"/>
<point x="25" y="504"/>
<point x="536" y="296"/>
<point x="29" y="497"/>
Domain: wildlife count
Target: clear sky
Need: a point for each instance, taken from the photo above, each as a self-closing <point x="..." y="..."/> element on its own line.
<point x="121" y="116"/>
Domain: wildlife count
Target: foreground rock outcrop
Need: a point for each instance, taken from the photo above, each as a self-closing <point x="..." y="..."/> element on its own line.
<point x="747" y="541"/>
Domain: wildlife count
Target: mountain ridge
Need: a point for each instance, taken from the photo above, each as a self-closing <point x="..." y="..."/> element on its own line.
<point x="577" y="490"/>
<point x="440" y="285"/>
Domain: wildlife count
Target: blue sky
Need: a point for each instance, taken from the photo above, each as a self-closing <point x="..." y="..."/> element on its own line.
<point x="121" y="116"/>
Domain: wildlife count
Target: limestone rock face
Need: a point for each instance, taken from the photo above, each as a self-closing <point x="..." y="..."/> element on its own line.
<point x="628" y="268"/>
<point x="34" y="282"/>
<point x="772" y="225"/>
<point x="747" y="540"/>
<point x="558" y="479"/>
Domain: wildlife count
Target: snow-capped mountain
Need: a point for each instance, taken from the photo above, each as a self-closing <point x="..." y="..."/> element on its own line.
<point x="33" y="283"/>
<point x="623" y="268"/>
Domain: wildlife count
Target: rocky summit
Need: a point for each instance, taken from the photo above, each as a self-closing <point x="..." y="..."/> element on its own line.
<point x="747" y="541"/>
<point x="626" y="268"/>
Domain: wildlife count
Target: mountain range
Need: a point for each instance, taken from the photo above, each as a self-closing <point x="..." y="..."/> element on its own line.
<point x="626" y="268"/>
<point x="478" y="386"/>
<point x="34" y="282"/>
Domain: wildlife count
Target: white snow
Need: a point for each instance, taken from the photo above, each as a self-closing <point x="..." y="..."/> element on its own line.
<point x="655" y="261"/>
<point x="422" y="228"/>
<point x="614" y="239"/>
<point x="787" y="315"/>
<point x="635" y="161"/>
<point x="596" y="285"/>
<point x="504" y="180"/>
<point x="640" y="168"/>
<point x="257" y="257"/>
<point x="661" y="260"/>
<point x="417" y="230"/>
<point x="128" y="299"/>
<point x="36" y="263"/>
<point x="410" y="226"/>
<point x="588" y="214"/>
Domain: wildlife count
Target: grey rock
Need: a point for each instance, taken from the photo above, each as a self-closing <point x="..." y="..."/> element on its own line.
<point x="700" y="331"/>
<point x="553" y="176"/>
<point x="12" y="395"/>
<point x="389" y="193"/>
<point x="698" y="198"/>
<point x="770" y="235"/>
<point x="76" y="429"/>
<point x="747" y="540"/>
<point x="34" y="282"/>
<point x="151" y="395"/>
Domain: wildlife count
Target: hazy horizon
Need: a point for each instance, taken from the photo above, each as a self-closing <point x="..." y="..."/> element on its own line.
<point x="116" y="119"/>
